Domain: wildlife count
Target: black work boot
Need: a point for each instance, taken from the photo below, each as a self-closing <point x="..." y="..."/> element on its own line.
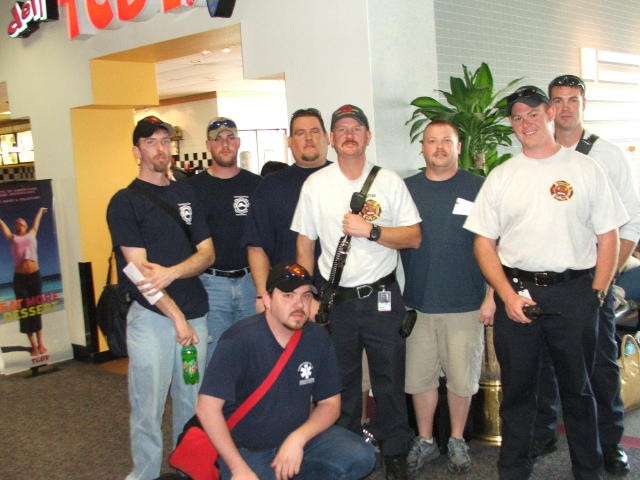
<point x="615" y="460"/>
<point x="396" y="466"/>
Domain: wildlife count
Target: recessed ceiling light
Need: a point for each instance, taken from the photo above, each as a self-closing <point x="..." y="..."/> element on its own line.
<point x="6" y="112"/>
<point x="204" y="53"/>
<point x="226" y="50"/>
<point x="196" y="60"/>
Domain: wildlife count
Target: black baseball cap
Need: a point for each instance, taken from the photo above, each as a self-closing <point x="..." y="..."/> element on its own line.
<point x="288" y="276"/>
<point x="148" y="126"/>
<point x="529" y="95"/>
<point x="349" y="111"/>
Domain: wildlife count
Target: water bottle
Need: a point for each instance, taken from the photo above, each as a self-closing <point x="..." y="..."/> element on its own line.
<point x="190" y="371"/>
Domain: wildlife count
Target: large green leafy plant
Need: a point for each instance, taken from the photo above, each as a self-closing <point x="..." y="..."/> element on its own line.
<point x="478" y="113"/>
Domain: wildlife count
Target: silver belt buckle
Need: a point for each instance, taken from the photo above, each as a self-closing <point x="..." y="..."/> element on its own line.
<point x="542" y="279"/>
<point x="364" y="291"/>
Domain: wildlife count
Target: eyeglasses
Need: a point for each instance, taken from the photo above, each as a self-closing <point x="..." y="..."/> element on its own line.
<point x="221" y="123"/>
<point x="567" y="81"/>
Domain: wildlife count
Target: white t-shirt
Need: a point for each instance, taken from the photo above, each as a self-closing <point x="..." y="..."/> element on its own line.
<point x="547" y="212"/>
<point x="325" y="199"/>
<point x="616" y="164"/>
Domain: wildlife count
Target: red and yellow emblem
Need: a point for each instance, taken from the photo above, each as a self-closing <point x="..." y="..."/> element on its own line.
<point x="371" y="210"/>
<point x="561" y="190"/>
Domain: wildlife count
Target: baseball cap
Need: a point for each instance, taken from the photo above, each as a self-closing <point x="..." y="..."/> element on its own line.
<point x="148" y="126"/>
<point x="288" y="276"/>
<point x="349" y="111"/>
<point x="529" y="95"/>
<point x="219" y="125"/>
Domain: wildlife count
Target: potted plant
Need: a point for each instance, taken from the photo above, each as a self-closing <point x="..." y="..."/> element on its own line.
<point x="478" y="113"/>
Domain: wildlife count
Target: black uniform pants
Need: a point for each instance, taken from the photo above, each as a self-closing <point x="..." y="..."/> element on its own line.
<point x="357" y="324"/>
<point x="605" y="382"/>
<point x="570" y="338"/>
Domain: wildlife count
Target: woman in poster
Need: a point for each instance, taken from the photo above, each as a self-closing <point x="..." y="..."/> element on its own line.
<point x="27" y="281"/>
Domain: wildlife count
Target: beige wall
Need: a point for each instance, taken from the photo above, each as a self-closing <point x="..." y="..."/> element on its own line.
<point x="323" y="49"/>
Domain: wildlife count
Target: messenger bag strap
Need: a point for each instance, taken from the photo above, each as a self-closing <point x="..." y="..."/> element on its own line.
<point x="584" y="145"/>
<point x="266" y="384"/>
<point x="164" y="206"/>
<point x="340" y="256"/>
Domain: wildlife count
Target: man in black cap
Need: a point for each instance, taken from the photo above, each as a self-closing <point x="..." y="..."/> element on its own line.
<point x="158" y="226"/>
<point x="368" y="307"/>
<point x="546" y="236"/>
<point x="567" y="93"/>
<point x="282" y="436"/>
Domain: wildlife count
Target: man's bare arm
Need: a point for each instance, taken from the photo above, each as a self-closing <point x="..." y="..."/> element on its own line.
<point x="607" y="259"/>
<point x="259" y="264"/>
<point x="209" y="412"/>
<point x="161" y="277"/>
<point x="486" y="253"/>
<point x="392" y="237"/>
<point x="185" y="334"/>
<point x="305" y="252"/>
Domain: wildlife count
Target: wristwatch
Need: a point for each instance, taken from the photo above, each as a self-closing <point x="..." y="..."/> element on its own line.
<point x="374" y="235"/>
<point x="601" y="294"/>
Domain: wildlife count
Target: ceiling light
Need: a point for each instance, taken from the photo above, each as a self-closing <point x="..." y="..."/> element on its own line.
<point x="204" y="53"/>
<point x="196" y="60"/>
<point x="6" y="112"/>
<point x="226" y="50"/>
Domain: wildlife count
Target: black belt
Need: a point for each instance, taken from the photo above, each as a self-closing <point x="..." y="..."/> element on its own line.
<point x="344" y="294"/>
<point x="544" y="279"/>
<point x="241" y="272"/>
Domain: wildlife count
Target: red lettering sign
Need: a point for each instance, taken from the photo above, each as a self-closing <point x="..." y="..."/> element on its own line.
<point x="27" y="15"/>
<point x="87" y="16"/>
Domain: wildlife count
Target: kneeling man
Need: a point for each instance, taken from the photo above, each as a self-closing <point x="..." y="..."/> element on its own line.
<point x="282" y="436"/>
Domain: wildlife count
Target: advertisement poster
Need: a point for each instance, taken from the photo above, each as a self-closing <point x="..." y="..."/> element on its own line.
<point x="31" y="333"/>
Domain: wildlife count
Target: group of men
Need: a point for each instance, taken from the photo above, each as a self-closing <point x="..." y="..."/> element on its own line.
<point x="542" y="231"/>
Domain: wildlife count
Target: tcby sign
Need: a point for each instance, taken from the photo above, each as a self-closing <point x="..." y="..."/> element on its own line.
<point x="87" y="17"/>
<point x="26" y="16"/>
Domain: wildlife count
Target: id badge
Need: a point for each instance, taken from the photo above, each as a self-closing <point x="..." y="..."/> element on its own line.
<point x="384" y="301"/>
<point x="525" y="293"/>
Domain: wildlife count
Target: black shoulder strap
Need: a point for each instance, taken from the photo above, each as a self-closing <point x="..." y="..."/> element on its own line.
<point x="584" y="145"/>
<point x="170" y="211"/>
<point x="370" y="178"/>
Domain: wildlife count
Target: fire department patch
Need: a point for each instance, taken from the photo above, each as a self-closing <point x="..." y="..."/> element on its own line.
<point x="561" y="190"/>
<point x="371" y="210"/>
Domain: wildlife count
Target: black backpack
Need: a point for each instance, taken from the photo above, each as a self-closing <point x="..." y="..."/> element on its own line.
<point x="111" y="314"/>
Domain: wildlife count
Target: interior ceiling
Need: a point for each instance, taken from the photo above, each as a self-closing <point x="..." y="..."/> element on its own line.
<point x="191" y="65"/>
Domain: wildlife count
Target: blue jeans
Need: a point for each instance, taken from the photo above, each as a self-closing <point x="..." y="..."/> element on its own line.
<point x="335" y="454"/>
<point x="230" y="300"/>
<point x="630" y="282"/>
<point x="155" y="368"/>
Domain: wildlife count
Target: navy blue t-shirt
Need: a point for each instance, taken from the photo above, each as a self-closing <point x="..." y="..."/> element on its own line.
<point x="269" y="222"/>
<point x="227" y="202"/>
<point x="243" y="358"/>
<point x="442" y="275"/>
<point x="135" y="221"/>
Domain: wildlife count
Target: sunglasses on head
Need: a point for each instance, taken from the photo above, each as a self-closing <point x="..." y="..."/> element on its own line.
<point x="567" y="81"/>
<point x="222" y="123"/>
<point x="151" y="119"/>
<point x="524" y="92"/>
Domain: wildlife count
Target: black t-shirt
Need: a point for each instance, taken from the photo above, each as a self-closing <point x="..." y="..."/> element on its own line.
<point x="227" y="202"/>
<point x="269" y="222"/>
<point x="136" y="221"/>
<point x="243" y="358"/>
